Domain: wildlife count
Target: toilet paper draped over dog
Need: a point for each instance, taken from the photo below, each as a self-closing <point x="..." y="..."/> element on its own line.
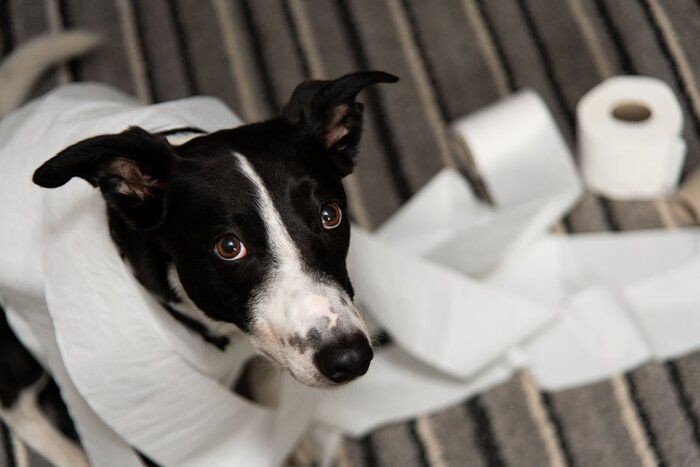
<point x="148" y="382"/>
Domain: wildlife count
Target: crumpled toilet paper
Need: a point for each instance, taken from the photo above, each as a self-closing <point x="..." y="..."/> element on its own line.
<point x="468" y="291"/>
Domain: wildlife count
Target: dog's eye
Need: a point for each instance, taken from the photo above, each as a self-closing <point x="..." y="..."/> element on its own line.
<point x="331" y="216"/>
<point x="230" y="248"/>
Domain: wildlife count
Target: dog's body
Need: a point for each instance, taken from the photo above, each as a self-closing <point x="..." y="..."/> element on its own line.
<point x="243" y="226"/>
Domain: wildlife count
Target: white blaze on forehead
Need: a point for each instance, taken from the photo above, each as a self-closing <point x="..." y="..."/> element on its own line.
<point x="283" y="249"/>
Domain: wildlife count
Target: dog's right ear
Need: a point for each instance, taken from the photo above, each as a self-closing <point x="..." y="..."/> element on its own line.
<point x="327" y="111"/>
<point x="132" y="169"/>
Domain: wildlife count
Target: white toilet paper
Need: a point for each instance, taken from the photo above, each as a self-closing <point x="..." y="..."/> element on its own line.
<point x="441" y="276"/>
<point x="530" y="176"/>
<point x="629" y="138"/>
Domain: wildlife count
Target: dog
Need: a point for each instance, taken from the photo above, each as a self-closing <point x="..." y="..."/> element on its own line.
<point x="246" y="226"/>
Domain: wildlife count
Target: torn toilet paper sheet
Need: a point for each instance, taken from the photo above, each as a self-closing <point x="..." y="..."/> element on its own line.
<point x="468" y="291"/>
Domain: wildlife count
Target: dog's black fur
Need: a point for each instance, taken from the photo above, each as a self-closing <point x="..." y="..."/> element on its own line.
<point x="168" y="204"/>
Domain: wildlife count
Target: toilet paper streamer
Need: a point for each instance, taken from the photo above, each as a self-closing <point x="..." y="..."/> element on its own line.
<point x="629" y="138"/>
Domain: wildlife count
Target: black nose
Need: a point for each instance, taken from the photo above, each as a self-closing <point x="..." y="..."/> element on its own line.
<point x="344" y="360"/>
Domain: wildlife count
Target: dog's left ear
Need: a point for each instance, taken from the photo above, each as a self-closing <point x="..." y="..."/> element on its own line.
<point x="327" y="111"/>
<point x="131" y="168"/>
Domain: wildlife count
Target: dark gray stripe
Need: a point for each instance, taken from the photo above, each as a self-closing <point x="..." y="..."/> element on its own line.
<point x="498" y="46"/>
<point x="429" y="70"/>
<point x="354" y="452"/>
<point x="164" y="68"/>
<point x="453" y="59"/>
<point x="383" y="130"/>
<point x="278" y="48"/>
<point x="683" y="15"/>
<point x="140" y="37"/>
<point x="483" y="433"/>
<point x="668" y="430"/>
<point x="685" y="400"/>
<point x="645" y="420"/>
<point x="368" y="453"/>
<point x="595" y="432"/>
<point x="514" y="428"/>
<point x="546" y="63"/>
<point x="614" y="32"/>
<point x="295" y="38"/>
<point x="256" y="42"/>
<point x="6" y="36"/>
<point x="454" y="430"/>
<point x="395" y="445"/>
<point x="183" y="50"/>
<point x="205" y="61"/>
<point x="36" y="460"/>
<point x="422" y="457"/>
<point x="553" y="416"/>
<point x="672" y="64"/>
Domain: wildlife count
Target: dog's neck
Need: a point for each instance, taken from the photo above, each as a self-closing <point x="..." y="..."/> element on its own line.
<point x="154" y="269"/>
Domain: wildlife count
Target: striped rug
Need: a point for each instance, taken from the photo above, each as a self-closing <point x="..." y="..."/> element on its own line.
<point x="453" y="56"/>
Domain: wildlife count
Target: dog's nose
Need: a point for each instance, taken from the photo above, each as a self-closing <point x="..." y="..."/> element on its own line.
<point x="345" y="360"/>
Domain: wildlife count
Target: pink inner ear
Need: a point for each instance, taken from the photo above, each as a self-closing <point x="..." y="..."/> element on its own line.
<point x="133" y="181"/>
<point x="336" y="130"/>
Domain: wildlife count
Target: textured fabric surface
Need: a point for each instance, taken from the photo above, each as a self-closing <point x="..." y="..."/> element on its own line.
<point x="453" y="56"/>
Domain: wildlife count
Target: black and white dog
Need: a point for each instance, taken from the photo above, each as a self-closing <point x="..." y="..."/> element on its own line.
<point x="246" y="226"/>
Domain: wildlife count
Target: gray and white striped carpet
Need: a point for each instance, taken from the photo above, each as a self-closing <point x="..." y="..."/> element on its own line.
<point x="453" y="56"/>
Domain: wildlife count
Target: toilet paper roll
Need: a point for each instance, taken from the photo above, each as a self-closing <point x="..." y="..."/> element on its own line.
<point x="518" y="150"/>
<point x="629" y="138"/>
<point x="529" y="173"/>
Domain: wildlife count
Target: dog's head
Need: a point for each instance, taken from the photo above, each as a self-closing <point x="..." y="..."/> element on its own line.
<point x="254" y="220"/>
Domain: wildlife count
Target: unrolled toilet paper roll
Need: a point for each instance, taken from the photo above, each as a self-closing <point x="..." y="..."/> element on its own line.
<point x="529" y="173"/>
<point x="629" y="138"/>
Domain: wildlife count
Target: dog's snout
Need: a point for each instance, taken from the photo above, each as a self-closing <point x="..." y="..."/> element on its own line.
<point x="343" y="361"/>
